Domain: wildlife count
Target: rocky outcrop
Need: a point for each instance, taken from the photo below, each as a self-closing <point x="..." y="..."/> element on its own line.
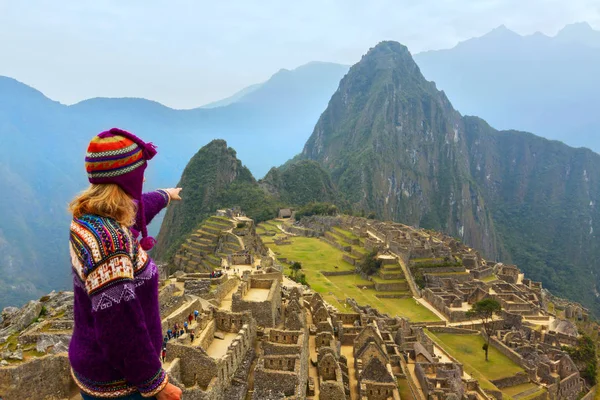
<point x="16" y="321"/>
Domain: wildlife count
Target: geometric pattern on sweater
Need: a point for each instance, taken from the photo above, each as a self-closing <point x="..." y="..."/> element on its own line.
<point x="107" y="260"/>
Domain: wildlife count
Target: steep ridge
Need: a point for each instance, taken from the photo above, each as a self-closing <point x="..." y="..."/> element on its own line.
<point x="394" y="144"/>
<point x="301" y="183"/>
<point x="214" y="178"/>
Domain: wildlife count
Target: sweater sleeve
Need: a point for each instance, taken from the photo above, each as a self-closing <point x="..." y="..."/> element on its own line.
<point x="120" y="326"/>
<point x="154" y="202"/>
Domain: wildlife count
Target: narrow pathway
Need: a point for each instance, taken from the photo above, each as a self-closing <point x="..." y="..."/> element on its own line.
<point x="312" y="355"/>
<point x="431" y="308"/>
<point x="348" y="352"/>
<point x="409" y="278"/>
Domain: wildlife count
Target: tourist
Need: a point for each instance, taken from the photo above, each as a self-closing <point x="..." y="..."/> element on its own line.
<point x="181" y="332"/>
<point x="169" y="333"/>
<point x="185" y="325"/>
<point x="117" y="341"/>
<point x="192" y="334"/>
<point x="164" y="353"/>
<point x="190" y="317"/>
<point x="196" y="313"/>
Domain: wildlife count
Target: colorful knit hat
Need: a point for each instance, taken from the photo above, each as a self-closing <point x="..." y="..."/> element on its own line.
<point x="117" y="156"/>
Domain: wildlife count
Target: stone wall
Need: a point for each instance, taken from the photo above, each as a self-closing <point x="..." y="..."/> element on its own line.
<point x="219" y="292"/>
<point x="200" y="287"/>
<point x="453" y="330"/>
<point x="268" y="312"/>
<point x="180" y="316"/>
<point x="207" y="335"/>
<point x="517" y="379"/>
<point x="44" y="378"/>
<point x="481" y="273"/>
<point x="279" y="374"/>
<point x="228" y="321"/>
<point x="337" y="273"/>
<point x="196" y="367"/>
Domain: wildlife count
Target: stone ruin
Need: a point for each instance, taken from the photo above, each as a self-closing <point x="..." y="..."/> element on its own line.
<point x="256" y="339"/>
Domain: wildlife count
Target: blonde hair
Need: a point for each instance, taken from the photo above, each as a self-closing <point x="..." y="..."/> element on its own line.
<point x="106" y="200"/>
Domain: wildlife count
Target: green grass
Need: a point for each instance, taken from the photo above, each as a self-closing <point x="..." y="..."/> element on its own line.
<point x="345" y="233"/>
<point x="405" y="393"/>
<point x="468" y="350"/>
<point x="490" y="278"/>
<point x="317" y="256"/>
<point x="380" y="280"/>
<point x="448" y="273"/>
<point x="514" y="390"/>
<point x="314" y="254"/>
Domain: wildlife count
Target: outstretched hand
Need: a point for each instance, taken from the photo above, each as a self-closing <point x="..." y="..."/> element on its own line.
<point x="174" y="193"/>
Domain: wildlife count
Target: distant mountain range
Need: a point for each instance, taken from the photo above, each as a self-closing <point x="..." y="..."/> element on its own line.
<point x="42" y="146"/>
<point x="545" y="85"/>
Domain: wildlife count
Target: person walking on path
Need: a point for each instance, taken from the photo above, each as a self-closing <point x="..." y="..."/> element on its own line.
<point x="185" y="326"/>
<point x="164" y="354"/>
<point x="169" y="333"/>
<point x="115" y="350"/>
<point x="190" y="318"/>
<point x="196" y="315"/>
<point x="192" y="334"/>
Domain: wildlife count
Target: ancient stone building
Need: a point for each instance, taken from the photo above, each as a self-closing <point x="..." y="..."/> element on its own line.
<point x="262" y="297"/>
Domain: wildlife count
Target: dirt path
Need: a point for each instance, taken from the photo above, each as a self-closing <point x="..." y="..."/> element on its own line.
<point x="312" y="355"/>
<point x="348" y="352"/>
<point x="227" y="300"/>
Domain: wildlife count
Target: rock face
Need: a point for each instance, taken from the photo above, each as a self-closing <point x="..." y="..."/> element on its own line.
<point x="394" y="144"/>
<point x="48" y="376"/>
<point x="15" y="321"/>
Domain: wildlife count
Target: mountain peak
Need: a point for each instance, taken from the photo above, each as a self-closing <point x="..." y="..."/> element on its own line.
<point x="580" y="32"/>
<point x="388" y="56"/>
<point x="576" y="27"/>
<point x="501" y="32"/>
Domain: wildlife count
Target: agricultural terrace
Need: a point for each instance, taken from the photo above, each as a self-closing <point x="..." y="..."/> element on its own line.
<point x="467" y="349"/>
<point x="317" y="256"/>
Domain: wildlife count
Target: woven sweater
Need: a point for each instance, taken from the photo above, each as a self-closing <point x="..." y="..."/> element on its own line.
<point x="117" y="338"/>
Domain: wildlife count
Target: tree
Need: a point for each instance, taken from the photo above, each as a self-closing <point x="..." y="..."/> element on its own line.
<point x="296" y="266"/>
<point x="370" y="264"/>
<point x="485" y="310"/>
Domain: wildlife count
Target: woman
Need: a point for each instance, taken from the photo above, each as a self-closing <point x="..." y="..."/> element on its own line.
<point x="116" y="345"/>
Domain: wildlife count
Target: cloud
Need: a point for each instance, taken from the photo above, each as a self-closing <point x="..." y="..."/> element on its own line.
<point x="185" y="53"/>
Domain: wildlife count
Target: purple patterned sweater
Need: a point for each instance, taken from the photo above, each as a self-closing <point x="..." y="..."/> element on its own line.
<point x="117" y="338"/>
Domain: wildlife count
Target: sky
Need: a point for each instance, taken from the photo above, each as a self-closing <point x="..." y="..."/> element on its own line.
<point x="186" y="53"/>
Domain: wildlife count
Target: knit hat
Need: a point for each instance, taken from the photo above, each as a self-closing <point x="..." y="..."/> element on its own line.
<point x="117" y="156"/>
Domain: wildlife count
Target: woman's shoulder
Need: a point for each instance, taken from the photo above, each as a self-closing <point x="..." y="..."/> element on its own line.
<point x="91" y="230"/>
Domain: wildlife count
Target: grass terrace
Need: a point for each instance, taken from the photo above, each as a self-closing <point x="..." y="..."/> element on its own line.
<point x="467" y="349"/>
<point x="317" y="256"/>
<point x="345" y="233"/>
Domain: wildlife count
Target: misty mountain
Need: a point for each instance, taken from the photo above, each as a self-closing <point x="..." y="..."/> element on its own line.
<point x="394" y="144"/>
<point x="545" y="85"/>
<point x="43" y="142"/>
